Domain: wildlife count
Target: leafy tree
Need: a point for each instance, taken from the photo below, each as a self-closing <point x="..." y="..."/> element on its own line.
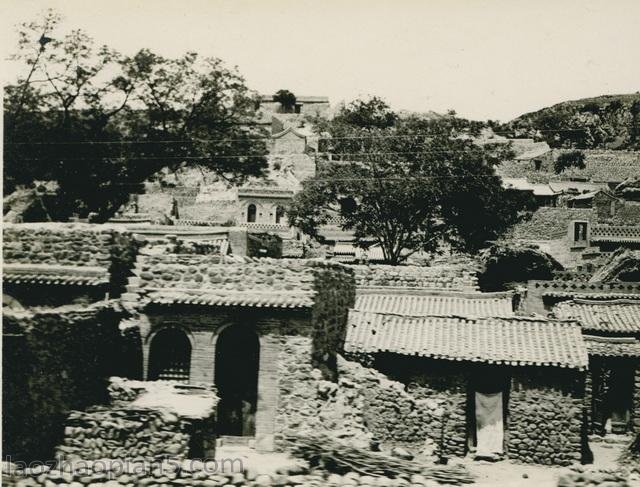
<point x="568" y="160"/>
<point x="408" y="187"/>
<point x="201" y="104"/>
<point x="99" y="124"/>
<point x="286" y="99"/>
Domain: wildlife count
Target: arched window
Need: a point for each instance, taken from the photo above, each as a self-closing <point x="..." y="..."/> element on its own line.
<point x="170" y="356"/>
<point x="279" y="214"/>
<point x="251" y="213"/>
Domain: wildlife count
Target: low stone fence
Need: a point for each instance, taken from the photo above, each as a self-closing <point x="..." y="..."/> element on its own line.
<point x="145" y="421"/>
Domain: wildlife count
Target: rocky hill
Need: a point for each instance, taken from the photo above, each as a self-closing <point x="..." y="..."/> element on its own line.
<point x="603" y="122"/>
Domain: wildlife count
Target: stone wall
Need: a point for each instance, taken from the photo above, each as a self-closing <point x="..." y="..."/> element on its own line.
<point x="144" y="420"/>
<point x="442" y="383"/>
<point x="456" y="277"/>
<point x="363" y="407"/>
<point x="545" y="418"/>
<point x="83" y="246"/>
<point x="550" y="223"/>
<point x="635" y="417"/>
<point x="53" y="361"/>
<point x="334" y="288"/>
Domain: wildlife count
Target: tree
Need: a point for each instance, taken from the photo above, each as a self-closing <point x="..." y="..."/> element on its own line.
<point x="99" y="124"/>
<point x="202" y="106"/>
<point x="286" y="99"/>
<point x="408" y="187"/>
<point x="567" y="160"/>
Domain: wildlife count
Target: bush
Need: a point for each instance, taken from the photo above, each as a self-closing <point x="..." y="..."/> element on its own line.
<point x="286" y="99"/>
<point x="567" y="160"/>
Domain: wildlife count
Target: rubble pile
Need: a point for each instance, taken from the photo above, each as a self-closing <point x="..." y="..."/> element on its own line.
<point x="585" y="477"/>
<point x="341" y="458"/>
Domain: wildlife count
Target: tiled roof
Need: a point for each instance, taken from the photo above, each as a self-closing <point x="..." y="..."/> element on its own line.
<point x="215" y="280"/>
<point x="416" y="302"/>
<point x="289" y="299"/>
<point x="620" y="233"/>
<point x="612" y="347"/>
<point x="513" y="341"/>
<point x="594" y="296"/>
<point x="618" y="316"/>
<point x="55" y="274"/>
<point x="608" y="165"/>
<point x="522" y="184"/>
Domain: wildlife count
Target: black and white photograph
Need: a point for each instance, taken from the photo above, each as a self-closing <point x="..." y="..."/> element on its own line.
<point x="308" y="243"/>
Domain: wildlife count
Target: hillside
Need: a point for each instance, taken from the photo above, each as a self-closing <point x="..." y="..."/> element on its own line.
<point x="603" y="122"/>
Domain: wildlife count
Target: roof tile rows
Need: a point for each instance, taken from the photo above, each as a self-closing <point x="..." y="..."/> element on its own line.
<point x="291" y="299"/>
<point x="415" y="302"/>
<point x="55" y="274"/>
<point x="511" y="341"/>
<point x="618" y="316"/>
<point x="612" y="347"/>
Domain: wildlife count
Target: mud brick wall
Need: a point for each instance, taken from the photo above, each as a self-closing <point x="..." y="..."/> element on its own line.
<point x="456" y="277"/>
<point x="545" y="420"/>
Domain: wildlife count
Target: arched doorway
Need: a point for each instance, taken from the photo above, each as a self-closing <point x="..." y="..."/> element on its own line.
<point x="170" y="356"/>
<point x="251" y="213"/>
<point x="236" y="377"/>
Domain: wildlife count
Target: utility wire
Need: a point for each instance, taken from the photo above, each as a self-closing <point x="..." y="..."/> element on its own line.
<point x="191" y="141"/>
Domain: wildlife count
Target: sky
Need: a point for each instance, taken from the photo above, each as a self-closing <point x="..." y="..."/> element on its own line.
<point x="485" y="59"/>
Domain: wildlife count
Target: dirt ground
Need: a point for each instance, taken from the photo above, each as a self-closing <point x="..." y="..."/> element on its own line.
<point x="508" y="474"/>
<point x="487" y="474"/>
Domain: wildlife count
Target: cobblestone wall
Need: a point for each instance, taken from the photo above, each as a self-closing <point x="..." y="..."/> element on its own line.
<point x="53" y="361"/>
<point x="444" y="385"/>
<point x="544" y="421"/>
<point x="362" y="407"/>
<point x="636" y="400"/>
<point x="58" y="244"/>
<point x="144" y="420"/>
<point x="456" y="277"/>
<point x="551" y="223"/>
